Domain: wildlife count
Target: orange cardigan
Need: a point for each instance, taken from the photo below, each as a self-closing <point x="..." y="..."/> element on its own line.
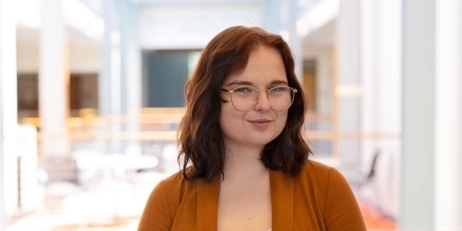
<point x="318" y="199"/>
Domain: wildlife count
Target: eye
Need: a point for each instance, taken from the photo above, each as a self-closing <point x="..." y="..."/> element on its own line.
<point x="243" y="90"/>
<point x="279" y="89"/>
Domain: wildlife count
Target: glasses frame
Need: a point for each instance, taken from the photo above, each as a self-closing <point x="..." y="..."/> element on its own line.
<point x="294" y="91"/>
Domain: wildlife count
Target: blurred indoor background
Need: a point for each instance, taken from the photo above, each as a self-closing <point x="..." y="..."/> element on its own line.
<point x="91" y="94"/>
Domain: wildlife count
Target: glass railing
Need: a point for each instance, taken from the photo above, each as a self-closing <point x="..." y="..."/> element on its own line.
<point x="107" y="178"/>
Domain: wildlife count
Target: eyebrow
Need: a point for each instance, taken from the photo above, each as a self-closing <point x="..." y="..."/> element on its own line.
<point x="274" y="82"/>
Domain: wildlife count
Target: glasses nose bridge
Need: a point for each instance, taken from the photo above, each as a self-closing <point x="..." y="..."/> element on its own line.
<point x="257" y="96"/>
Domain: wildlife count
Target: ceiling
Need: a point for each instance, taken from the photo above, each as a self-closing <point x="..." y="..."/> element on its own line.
<point x="320" y="40"/>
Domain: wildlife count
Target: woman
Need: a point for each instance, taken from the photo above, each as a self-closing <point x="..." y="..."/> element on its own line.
<point x="244" y="159"/>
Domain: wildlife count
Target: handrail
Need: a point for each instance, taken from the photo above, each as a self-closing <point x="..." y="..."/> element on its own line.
<point x="145" y="116"/>
<point x="155" y="125"/>
<point x="171" y="135"/>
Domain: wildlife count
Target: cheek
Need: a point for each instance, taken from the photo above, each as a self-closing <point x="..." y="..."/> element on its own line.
<point x="282" y="118"/>
<point x="228" y="119"/>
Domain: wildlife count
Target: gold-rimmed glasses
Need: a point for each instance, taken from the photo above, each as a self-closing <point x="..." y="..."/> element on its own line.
<point x="245" y="98"/>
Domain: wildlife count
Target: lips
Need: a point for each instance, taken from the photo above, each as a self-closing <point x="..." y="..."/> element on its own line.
<point x="260" y="122"/>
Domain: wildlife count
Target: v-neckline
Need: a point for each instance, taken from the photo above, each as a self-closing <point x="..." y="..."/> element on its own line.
<point x="282" y="202"/>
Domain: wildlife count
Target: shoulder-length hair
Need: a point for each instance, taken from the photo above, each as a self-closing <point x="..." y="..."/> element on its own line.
<point x="200" y="139"/>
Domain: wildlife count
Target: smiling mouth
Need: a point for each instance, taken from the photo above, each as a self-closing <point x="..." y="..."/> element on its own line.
<point x="260" y="122"/>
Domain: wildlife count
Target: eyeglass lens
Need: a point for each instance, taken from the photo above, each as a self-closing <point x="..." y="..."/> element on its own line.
<point x="245" y="98"/>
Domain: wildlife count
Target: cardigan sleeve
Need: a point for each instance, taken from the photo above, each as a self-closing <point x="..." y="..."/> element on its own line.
<point x="156" y="214"/>
<point x="342" y="212"/>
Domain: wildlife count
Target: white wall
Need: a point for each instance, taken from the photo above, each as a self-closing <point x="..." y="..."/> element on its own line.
<point x="81" y="60"/>
<point x="448" y="187"/>
<point x="27" y="57"/>
<point x="8" y="114"/>
<point x="381" y="96"/>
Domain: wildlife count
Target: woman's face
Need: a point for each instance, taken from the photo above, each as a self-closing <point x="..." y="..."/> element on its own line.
<point x="260" y="125"/>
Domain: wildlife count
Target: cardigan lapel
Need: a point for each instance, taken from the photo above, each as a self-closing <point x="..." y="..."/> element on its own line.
<point x="207" y="204"/>
<point x="282" y="200"/>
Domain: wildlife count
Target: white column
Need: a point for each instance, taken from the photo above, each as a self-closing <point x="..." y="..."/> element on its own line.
<point x="460" y="117"/>
<point x="8" y="112"/>
<point x="53" y="81"/>
<point x="131" y="65"/>
<point x="110" y="76"/>
<point x="369" y="78"/>
<point x="381" y="96"/>
<point x="324" y="83"/>
<point x="448" y="180"/>
<point x="389" y="68"/>
<point x="348" y="88"/>
<point x="431" y="162"/>
<point x="417" y="195"/>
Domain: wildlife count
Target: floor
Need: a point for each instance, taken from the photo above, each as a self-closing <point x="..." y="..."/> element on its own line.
<point x="375" y="221"/>
<point x="113" y="201"/>
<point x="60" y="222"/>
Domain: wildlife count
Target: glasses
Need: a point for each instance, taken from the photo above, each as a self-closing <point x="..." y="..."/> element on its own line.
<point x="246" y="98"/>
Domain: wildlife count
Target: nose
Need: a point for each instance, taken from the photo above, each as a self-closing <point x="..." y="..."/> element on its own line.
<point x="263" y="103"/>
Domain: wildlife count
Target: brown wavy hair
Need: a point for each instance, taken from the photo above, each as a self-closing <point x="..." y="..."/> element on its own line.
<point x="200" y="139"/>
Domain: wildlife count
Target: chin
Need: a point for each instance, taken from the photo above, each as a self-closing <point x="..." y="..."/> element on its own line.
<point x="260" y="141"/>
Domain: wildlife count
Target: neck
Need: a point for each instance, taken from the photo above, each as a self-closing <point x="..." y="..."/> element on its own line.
<point x="243" y="161"/>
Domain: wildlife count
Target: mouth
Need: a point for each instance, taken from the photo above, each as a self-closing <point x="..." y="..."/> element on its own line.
<point x="260" y="122"/>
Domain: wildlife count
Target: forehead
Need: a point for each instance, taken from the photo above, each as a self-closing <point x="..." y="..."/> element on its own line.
<point x="265" y="65"/>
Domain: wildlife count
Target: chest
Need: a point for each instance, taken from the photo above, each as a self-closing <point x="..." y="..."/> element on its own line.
<point x="244" y="205"/>
<point x="280" y="204"/>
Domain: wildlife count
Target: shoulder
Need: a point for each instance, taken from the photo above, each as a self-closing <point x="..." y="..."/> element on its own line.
<point x="173" y="180"/>
<point x="166" y="188"/>
<point x="322" y="177"/>
<point x="334" y="195"/>
<point x="176" y="183"/>
<point x="319" y="170"/>
<point x="312" y="165"/>
<point x="164" y="200"/>
<point x="160" y="208"/>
